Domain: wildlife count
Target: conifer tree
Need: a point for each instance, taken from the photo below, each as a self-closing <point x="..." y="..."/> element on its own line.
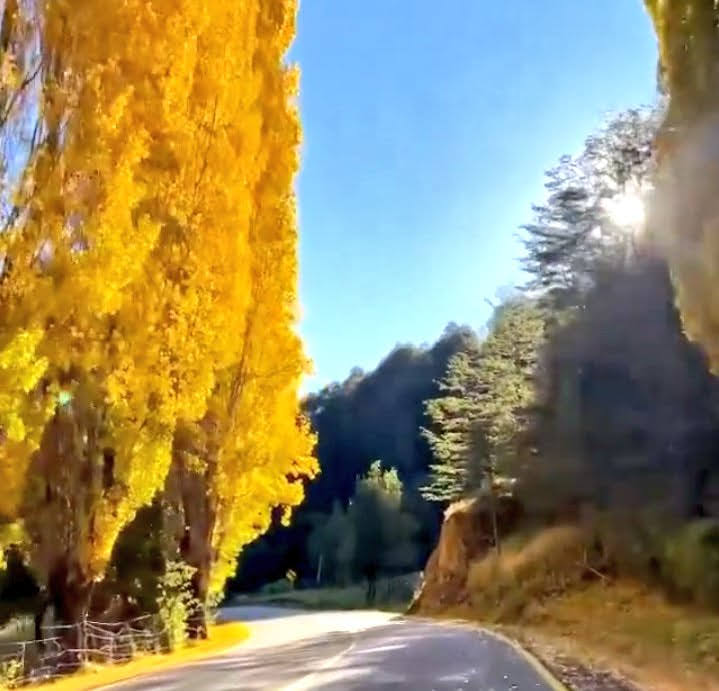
<point x="451" y="436"/>
<point x="488" y="389"/>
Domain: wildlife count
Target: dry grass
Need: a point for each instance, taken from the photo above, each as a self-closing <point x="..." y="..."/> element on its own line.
<point x="222" y="637"/>
<point x="540" y="590"/>
<point x="502" y="587"/>
<point x="634" y="629"/>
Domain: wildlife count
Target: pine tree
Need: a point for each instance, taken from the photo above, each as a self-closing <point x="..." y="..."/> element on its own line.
<point x="572" y="240"/>
<point x="452" y="433"/>
<point x="488" y="390"/>
<point x="508" y="366"/>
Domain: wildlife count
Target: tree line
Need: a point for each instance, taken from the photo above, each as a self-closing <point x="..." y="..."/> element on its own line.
<point x="589" y="401"/>
<point x="584" y="398"/>
<point x="370" y="416"/>
<point x="593" y="396"/>
<point x="149" y="422"/>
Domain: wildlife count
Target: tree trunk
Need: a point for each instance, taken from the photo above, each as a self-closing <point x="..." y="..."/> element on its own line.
<point x="493" y="511"/>
<point x="319" y="570"/>
<point x="70" y="594"/>
<point x="371" y="576"/>
<point x="196" y="551"/>
<point x="197" y="621"/>
<point x="495" y="526"/>
<point x="37" y="619"/>
<point x="190" y="490"/>
<point x="39" y="616"/>
<point x="196" y="541"/>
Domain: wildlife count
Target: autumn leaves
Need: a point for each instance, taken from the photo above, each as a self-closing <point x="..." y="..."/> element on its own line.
<point x="149" y="279"/>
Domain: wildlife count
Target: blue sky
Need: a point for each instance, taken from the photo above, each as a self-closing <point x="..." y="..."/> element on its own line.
<point x="427" y="128"/>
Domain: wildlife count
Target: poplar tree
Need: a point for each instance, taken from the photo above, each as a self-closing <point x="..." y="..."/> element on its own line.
<point x="152" y="209"/>
<point x="684" y="214"/>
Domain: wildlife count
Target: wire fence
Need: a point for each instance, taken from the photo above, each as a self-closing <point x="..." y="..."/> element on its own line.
<point x="65" y="648"/>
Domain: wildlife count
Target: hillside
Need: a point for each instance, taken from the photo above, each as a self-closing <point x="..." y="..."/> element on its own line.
<point x="566" y="597"/>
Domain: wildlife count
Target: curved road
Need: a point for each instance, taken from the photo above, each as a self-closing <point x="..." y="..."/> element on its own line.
<point x="292" y="650"/>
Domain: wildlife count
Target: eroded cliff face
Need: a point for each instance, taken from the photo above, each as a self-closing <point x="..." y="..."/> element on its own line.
<point x="466" y="536"/>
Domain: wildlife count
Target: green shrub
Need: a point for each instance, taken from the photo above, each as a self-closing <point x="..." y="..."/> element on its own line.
<point x="691" y="562"/>
<point x="398" y="589"/>
<point x="277" y="587"/>
<point x="11" y="673"/>
<point x="175" y="601"/>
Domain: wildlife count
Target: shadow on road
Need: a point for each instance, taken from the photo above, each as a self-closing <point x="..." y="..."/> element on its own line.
<point x="402" y="654"/>
<point x="271" y="669"/>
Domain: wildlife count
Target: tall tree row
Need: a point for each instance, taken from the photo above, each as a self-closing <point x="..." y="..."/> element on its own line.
<point x="147" y="190"/>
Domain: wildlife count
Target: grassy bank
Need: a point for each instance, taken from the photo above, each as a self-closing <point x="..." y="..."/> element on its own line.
<point x="628" y="628"/>
<point x="547" y="594"/>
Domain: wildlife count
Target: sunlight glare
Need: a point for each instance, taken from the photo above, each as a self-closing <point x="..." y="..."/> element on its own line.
<point x="627" y="210"/>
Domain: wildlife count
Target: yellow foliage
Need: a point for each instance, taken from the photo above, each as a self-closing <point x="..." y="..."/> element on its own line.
<point x="688" y="51"/>
<point x="150" y="273"/>
<point x="685" y="213"/>
<point x="266" y="448"/>
<point x="23" y="414"/>
<point x="257" y="450"/>
<point x="10" y="534"/>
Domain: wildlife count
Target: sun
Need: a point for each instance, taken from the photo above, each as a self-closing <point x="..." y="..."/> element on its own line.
<point x="627" y="210"/>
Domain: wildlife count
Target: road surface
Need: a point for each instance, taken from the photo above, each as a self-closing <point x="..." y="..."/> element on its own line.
<point x="292" y="650"/>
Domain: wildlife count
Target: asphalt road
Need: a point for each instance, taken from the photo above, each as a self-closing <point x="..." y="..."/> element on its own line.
<point x="292" y="650"/>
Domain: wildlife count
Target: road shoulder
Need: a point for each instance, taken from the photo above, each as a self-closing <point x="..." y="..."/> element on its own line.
<point x="224" y="637"/>
<point x="539" y="666"/>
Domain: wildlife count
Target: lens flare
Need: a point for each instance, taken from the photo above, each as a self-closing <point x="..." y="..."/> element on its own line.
<point x="627" y="210"/>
